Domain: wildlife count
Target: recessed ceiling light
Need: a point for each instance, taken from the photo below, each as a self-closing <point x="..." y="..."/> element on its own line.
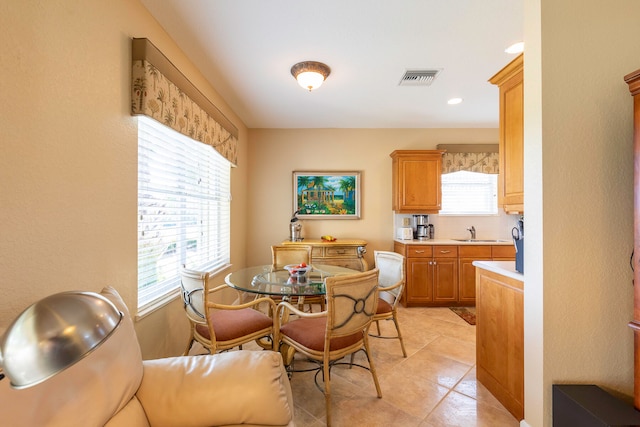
<point x="454" y="101"/>
<point x="515" y="48"/>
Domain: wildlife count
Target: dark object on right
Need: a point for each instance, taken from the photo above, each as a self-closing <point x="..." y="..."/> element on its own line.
<point x="587" y="405"/>
<point x="519" y="255"/>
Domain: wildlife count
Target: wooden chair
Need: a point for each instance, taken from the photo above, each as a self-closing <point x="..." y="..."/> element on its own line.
<point x="219" y="326"/>
<point x="340" y="331"/>
<point x="282" y="255"/>
<point x="391" y="283"/>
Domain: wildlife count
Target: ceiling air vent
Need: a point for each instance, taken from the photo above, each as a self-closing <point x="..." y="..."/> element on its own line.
<point x="419" y="77"/>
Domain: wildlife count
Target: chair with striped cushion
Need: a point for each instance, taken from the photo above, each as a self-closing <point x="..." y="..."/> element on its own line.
<point x="220" y="326"/>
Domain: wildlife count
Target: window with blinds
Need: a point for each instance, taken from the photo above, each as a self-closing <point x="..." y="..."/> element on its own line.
<point x="469" y="193"/>
<point x="183" y="210"/>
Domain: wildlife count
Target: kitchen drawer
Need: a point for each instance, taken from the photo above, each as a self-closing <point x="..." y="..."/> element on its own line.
<point x="341" y="251"/>
<point x="473" y="251"/>
<point x="317" y="252"/>
<point x="445" y="252"/>
<point x="503" y="251"/>
<point x="415" y="251"/>
<point x="354" y="264"/>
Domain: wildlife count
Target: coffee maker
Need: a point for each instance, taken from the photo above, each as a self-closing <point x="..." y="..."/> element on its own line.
<point x="295" y="227"/>
<point x="421" y="227"/>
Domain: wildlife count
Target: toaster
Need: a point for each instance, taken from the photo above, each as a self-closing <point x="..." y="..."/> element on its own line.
<point x="405" y="233"/>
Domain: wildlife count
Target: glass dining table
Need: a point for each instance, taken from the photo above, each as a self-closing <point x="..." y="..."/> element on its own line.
<point x="264" y="280"/>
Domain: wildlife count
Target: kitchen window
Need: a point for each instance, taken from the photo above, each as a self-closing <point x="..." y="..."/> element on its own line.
<point x="183" y="211"/>
<point x="469" y="193"/>
<point x="469" y="179"/>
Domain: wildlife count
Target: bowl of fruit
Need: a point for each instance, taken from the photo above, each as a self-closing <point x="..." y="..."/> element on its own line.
<point x="298" y="271"/>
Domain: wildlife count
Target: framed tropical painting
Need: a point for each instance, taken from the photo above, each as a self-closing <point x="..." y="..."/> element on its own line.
<point x="326" y="195"/>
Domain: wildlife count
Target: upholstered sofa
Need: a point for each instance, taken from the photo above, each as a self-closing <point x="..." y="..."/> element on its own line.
<point x="114" y="387"/>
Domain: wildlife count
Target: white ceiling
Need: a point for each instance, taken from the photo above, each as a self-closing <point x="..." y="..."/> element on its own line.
<point x="246" y="49"/>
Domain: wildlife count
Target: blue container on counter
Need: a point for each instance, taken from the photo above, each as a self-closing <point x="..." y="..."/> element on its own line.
<point x="519" y="254"/>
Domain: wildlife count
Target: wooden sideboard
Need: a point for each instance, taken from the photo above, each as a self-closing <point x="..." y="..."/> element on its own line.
<point x="347" y="253"/>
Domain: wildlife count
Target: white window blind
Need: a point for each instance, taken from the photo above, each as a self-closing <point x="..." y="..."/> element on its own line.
<point x="183" y="209"/>
<point x="469" y="193"/>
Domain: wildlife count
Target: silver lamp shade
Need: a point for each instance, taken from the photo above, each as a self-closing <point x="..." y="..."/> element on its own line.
<point x="53" y="334"/>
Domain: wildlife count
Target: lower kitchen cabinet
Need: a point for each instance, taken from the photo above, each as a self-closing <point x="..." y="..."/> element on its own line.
<point x="500" y="338"/>
<point x="420" y="274"/>
<point x="467" y="283"/>
<point x="432" y="274"/>
<point x="443" y="275"/>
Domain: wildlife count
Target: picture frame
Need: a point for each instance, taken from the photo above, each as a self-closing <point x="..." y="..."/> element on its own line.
<point x="327" y="195"/>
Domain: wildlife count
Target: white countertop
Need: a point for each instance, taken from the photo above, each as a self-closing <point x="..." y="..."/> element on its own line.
<point x="505" y="268"/>
<point x="450" y="242"/>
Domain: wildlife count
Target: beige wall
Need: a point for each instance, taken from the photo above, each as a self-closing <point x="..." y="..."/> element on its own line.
<point x="275" y="153"/>
<point x="68" y="162"/>
<point x="579" y="197"/>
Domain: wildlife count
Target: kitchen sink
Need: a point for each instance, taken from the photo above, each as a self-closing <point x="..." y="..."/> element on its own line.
<point x="481" y="240"/>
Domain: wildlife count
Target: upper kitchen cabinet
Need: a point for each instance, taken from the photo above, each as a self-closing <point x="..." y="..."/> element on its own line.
<point x="511" y="150"/>
<point x="416" y="181"/>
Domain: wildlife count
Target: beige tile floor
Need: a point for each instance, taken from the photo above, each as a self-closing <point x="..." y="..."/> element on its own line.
<point x="434" y="386"/>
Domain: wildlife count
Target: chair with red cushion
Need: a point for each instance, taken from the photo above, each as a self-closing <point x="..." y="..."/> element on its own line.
<point x="391" y="285"/>
<point x="340" y="331"/>
<point x="219" y="326"/>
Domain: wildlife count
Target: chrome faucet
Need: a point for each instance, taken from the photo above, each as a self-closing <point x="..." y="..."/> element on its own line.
<point x="472" y="230"/>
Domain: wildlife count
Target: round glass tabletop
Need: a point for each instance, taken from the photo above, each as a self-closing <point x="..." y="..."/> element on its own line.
<point x="263" y="280"/>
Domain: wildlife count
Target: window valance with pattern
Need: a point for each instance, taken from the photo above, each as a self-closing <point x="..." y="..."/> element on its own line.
<point x="159" y="90"/>
<point x="481" y="158"/>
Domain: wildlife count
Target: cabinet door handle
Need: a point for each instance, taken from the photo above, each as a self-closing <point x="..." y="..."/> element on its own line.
<point x="445" y="252"/>
<point x="420" y="252"/>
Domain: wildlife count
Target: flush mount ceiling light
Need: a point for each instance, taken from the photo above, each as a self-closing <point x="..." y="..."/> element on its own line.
<point x="454" y="101"/>
<point x="310" y="74"/>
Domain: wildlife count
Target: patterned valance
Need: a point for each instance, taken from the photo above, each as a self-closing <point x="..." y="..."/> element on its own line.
<point x="470" y="157"/>
<point x="159" y="90"/>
